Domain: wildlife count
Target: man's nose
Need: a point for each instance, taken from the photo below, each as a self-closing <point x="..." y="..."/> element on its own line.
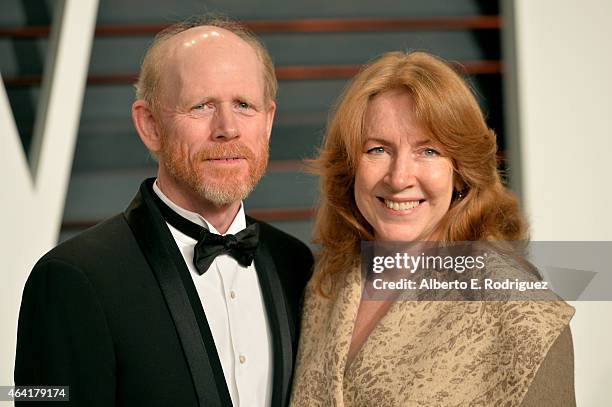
<point x="401" y="173"/>
<point x="225" y="126"/>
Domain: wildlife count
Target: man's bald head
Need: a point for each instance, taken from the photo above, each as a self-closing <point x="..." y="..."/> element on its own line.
<point x="152" y="68"/>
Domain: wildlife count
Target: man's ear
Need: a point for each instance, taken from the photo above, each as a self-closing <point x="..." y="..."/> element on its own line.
<point x="146" y="126"/>
<point x="270" y="116"/>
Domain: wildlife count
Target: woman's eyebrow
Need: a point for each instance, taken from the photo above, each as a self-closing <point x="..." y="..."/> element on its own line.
<point x="376" y="140"/>
<point x="422" y="141"/>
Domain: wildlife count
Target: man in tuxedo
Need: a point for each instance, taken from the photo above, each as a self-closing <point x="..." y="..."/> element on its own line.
<point x="181" y="299"/>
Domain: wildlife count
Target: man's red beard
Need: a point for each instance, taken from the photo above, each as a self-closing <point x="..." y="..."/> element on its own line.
<point x="213" y="182"/>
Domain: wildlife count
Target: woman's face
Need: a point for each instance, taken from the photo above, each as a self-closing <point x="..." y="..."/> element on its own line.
<point x="404" y="183"/>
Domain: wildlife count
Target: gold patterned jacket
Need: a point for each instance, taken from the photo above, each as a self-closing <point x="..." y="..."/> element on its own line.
<point x="434" y="353"/>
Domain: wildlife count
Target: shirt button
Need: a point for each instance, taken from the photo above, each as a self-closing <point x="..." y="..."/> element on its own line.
<point x="242" y="359"/>
<point x="233" y="294"/>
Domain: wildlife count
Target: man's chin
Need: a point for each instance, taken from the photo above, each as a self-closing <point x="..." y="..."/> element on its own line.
<point x="224" y="168"/>
<point x="220" y="174"/>
<point x="225" y="179"/>
<point x="224" y="194"/>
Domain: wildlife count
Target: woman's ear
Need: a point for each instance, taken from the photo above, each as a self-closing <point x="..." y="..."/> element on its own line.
<point x="460" y="188"/>
<point x="146" y="126"/>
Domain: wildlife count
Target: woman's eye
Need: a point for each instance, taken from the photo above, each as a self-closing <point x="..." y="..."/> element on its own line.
<point x="430" y="152"/>
<point x="376" y="150"/>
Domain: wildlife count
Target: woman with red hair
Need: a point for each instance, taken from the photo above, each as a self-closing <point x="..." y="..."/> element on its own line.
<point x="408" y="157"/>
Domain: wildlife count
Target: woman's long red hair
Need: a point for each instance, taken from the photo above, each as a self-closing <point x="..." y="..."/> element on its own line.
<point x="449" y="111"/>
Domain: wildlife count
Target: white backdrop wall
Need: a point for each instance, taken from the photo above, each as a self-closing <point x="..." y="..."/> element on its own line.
<point x="560" y="117"/>
<point x="34" y="190"/>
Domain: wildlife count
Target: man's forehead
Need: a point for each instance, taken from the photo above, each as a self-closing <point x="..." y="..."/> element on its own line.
<point x="204" y="56"/>
<point x="201" y="37"/>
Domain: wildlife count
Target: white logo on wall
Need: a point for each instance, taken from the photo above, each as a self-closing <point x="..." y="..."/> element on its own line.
<point x="33" y="191"/>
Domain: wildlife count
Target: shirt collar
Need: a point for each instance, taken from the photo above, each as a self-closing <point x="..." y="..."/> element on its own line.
<point x="238" y="224"/>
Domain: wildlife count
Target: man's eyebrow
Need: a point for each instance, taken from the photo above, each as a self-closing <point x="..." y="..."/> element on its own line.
<point x="245" y="98"/>
<point x="202" y="99"/>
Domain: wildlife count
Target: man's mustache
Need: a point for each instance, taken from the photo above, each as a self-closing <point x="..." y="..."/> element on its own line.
<point x="226" y="151"/>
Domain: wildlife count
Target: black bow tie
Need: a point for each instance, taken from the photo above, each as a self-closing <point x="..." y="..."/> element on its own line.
<point x="241" y="246"/>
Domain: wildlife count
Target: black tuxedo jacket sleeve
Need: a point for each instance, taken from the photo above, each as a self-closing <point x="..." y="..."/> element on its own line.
<point x="114" y="314"/>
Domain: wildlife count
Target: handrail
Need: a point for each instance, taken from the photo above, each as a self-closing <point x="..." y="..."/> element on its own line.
<point x="271" y="214"/>
<point x="314" y="25"/>
<point x="283" y="73"/>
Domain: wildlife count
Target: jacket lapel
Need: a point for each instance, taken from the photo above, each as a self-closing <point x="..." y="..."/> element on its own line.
<point x="278" y="317"/>
<point x="166" y="262"/>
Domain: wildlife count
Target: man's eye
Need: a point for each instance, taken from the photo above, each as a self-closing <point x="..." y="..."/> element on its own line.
<point x="201" y="106"/>
<point x="243" y="105"/>
<point x="376" y="150"/>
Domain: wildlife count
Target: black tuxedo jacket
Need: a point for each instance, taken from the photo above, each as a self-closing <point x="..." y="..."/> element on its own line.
<point x="114" y="314"/>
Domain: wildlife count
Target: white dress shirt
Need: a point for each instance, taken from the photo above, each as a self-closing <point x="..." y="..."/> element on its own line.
<point x="235" y="311"/>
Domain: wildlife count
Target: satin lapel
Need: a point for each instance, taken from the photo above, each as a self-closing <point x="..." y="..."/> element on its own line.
<point x="152" y="235"/>
<point x="276" y="307"/>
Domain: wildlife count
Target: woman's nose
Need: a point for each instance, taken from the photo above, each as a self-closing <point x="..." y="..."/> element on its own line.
<point x="402" y="173"/>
